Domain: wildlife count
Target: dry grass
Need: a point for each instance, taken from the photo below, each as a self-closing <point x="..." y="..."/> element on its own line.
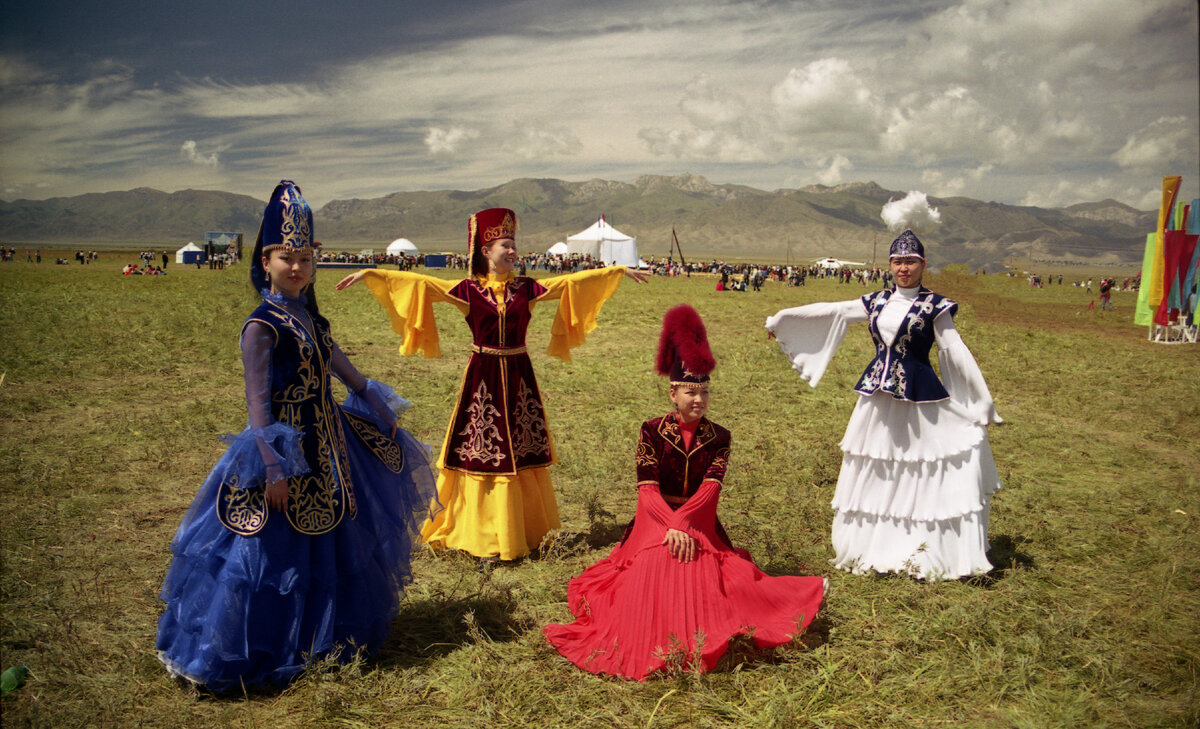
<point x="115" y="389"/>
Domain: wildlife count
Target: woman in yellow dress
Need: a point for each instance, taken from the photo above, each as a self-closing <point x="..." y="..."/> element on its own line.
<point x="494" y="486"/>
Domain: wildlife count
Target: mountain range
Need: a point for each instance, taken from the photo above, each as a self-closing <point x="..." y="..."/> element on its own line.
<point x="729" y="222"/>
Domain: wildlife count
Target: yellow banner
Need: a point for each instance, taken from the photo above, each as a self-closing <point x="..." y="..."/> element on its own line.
<point x="1154" y="287"/>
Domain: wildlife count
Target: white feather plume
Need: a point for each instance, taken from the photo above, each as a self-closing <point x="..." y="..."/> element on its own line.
<point x="910" y="213"/>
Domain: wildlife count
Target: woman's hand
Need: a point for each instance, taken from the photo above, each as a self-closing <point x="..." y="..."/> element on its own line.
<point x="636" y="275"/>
<point x="350" y="280"/>
<point x="681" y="546"/>
<point x="277" y="494"/>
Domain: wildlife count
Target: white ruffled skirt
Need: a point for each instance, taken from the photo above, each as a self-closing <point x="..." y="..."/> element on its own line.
<point x="914" y="491"/>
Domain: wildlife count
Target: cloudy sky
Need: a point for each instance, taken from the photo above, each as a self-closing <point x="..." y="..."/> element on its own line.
<point x="1040" y="102"/>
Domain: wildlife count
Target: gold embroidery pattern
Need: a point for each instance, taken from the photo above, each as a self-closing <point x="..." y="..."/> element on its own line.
<point x="721" y="460"/>
<point x="318" y="500"/>
<point x="529" y="425"/>
<point x="482" y="435"/>
<point x="311" y="508"/>
<point x="645" y="454"/>
<point x="507" y="228"/>
<point x="331" y="412"/>
<point x="670" y="430"/>
<point x="385" y="449"/>
<point x="307" y="385"/>
<point x="242" y="511"/>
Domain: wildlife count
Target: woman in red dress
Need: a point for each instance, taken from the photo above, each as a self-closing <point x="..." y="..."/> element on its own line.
<point x="675" y="590"/>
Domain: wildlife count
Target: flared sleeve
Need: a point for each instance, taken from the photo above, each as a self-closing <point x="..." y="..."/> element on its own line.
<point x="379" y="402"/>
<point x="266" y="451"/>
<point x="369" y="398"/>
<point x="697" y="517"/>
<point x="960" y="374"/>
<point x="408" y="299"/>
<point x="580" y="298"/>
<point x="809" y="335"/>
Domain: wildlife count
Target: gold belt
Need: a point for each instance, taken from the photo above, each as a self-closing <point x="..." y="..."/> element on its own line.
<point x="675" y="499"/>
<point x="502" y="351"/>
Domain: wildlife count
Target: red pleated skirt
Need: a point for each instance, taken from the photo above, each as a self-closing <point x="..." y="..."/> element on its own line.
<point x="644" y="612"/>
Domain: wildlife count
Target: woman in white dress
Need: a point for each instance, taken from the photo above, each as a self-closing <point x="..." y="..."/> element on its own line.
<point x="917" y="476"/>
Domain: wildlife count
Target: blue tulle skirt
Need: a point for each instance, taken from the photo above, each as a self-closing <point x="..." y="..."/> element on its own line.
<point x="250" y="610"/>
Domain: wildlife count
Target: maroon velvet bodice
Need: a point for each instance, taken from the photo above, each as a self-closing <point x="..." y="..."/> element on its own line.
<point x="662" y="458"/>
<point x="499" y="425"/>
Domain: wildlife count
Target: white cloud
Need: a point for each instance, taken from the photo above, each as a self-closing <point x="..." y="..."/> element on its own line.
<point x="1157" y="145"/>
<point x="1065" y="192"/>
<point x="945" y="184"/>
<point x="189" y="152"/>
<point x="720" y="125"/>
<point x="835" y="169"/>
<point x="541" y="144"/>
<point x="448" y="141"/>
<point x="947" y="125"/>
<point x="823" y="97"/>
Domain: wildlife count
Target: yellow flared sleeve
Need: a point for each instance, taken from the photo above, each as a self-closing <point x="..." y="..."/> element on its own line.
<point x="580" y="296"/>
<point x="408" y="299"/>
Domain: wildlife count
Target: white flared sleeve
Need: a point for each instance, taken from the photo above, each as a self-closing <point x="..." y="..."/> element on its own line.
<point x="809" y="335"/>
<point x="961" y="375"/>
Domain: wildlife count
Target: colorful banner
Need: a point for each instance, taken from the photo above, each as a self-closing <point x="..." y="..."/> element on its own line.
<point x="1191" y="277"/>
<point x="1178" y="248"/>
<point x="1143" y="313"/>
<point x="1170" y="187"/>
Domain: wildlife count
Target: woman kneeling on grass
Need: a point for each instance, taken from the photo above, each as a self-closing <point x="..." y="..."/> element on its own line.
<point x="917" y="476"/>
<point x="298" y="544"/>
<point x="675" y="590"/>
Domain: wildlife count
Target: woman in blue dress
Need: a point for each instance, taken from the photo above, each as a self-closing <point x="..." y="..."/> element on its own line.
<point x="298" y="543"/>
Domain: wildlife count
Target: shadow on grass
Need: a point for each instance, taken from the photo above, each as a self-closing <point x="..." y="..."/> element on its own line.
<point x="425" y="630"/>
<point x="566" y="544"/>
<point x="601" y="534"/>
<point x="742" y="650"/>
<point x="1005" y="553"/>
<point x="429" y="628"/>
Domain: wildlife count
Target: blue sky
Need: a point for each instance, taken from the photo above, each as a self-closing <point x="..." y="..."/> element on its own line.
<point x="1035" y="102"/>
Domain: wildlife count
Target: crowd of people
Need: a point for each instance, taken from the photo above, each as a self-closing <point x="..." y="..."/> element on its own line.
<point x="1130" y="283"/>
<point x="132" y="269"/>
<point x="8" y="254"/>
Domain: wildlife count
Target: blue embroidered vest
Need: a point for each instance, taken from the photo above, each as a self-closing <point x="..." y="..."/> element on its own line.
<point x="903" y="370"/>
<point x="301" y="396"/>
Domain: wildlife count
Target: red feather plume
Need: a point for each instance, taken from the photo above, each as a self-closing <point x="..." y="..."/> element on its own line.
<point x="684" y="337"/>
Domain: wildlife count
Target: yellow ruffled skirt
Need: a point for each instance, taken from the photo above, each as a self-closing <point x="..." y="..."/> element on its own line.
<point x="493" y="516"/>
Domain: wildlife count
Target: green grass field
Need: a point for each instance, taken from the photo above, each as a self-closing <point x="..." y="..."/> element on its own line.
<point x="115" y="389"/>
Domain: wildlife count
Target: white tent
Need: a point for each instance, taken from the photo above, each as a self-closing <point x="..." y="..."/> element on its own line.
<point x="402" y="246"/>
<point x="559" y="249"/>
<point x="181" y="254"/>
<point x="835" y="263"/>
<point x="606" y="243"/>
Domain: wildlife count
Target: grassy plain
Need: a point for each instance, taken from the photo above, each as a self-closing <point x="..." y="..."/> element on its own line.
<point x="115" y="388"/>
